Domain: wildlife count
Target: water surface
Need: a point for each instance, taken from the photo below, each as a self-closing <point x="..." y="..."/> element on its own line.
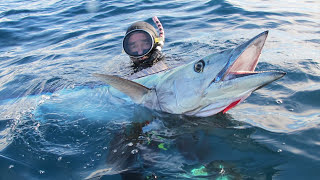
<point x="47" y="46"/>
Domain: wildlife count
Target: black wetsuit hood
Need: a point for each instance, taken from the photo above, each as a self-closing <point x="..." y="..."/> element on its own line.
<point x="154" y="55"/>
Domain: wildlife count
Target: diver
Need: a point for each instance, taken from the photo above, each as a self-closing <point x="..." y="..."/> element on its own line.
<point x="143" y="45"/>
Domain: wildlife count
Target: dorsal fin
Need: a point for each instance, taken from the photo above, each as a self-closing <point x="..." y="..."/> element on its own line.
<point x="134" y="90"/>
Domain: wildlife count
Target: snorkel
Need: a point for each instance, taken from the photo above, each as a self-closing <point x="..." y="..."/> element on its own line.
<point x="160" y="39"/>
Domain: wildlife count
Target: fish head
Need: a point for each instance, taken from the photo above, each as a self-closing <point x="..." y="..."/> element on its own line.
<point x="215" y="83"/>
<point x="182" y="89"/>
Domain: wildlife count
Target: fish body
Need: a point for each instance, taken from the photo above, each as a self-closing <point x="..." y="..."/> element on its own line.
<point x="204" y="87"/>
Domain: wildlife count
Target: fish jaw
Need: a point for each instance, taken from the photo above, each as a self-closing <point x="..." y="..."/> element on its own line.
<point x="225" y="95"/>
<point x="244" y="57"/>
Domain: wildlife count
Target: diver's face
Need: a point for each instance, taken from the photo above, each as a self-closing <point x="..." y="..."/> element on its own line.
<point x="139" y="43"/>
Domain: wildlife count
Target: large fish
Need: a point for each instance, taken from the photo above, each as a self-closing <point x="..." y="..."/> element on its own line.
<point x="203" y="87"/>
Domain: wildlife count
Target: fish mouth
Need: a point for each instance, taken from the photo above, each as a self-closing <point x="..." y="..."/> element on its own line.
<point x="243" y="59"/>
<point x="238" y="79"/>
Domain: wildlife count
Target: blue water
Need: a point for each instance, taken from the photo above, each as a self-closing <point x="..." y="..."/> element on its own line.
<point x="47" y="46"/>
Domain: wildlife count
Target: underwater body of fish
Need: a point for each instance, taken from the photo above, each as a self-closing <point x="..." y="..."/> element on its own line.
<point x="58" y="121"/>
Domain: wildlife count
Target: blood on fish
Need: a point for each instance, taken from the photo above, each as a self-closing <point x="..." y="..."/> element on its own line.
<point x="232" y="105"/>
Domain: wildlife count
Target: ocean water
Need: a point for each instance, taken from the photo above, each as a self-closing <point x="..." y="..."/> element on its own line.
<point x="49" y="47"/>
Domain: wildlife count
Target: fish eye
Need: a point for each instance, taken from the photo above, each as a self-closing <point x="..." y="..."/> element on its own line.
<point x="198" y="66"/>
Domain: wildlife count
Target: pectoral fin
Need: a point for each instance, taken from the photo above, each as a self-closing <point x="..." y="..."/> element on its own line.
<point x="134" y="90"/>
